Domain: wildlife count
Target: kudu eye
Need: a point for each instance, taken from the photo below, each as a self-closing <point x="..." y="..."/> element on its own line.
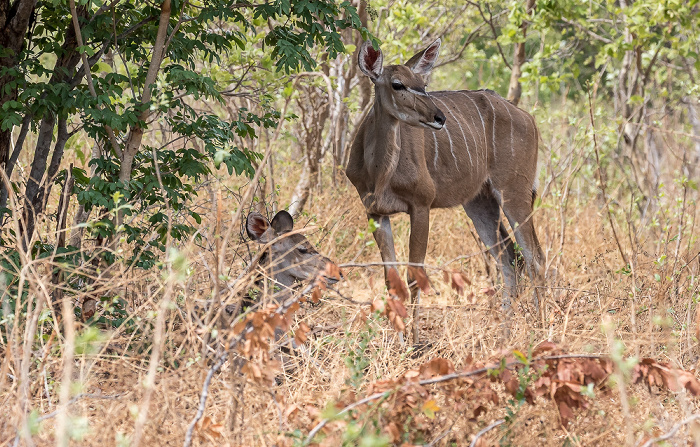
<point x="397" y="85"/>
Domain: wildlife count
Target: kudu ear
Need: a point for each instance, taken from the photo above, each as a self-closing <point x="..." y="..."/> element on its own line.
<point x="282" y="222"/>
<point x="256" y="225"/>
<point x="370" y="60"/>
<point x="422" y="63"/>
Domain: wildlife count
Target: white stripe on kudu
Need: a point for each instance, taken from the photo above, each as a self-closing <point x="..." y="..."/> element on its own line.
<point x="464" y="137"/>
<point x="512" y="150"/>
<point x="493" y="125"/>
<point x="452" y="150"/>
<point x="469" y="130"/>
<point x="483" y="124"/>
<point x="436" y="150"/>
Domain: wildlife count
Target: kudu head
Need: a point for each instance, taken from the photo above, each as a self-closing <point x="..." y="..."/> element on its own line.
<point x="400" y="89"/>
<point x="290" y="257"/>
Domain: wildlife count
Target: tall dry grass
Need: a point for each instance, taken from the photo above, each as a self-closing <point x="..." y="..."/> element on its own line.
<point x="626" y="284"/>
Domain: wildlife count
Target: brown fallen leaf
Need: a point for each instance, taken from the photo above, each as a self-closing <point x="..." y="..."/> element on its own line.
<point x="418" y="275"/>
<point x="396" y="286"/>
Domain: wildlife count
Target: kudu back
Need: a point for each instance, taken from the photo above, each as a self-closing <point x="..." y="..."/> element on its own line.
<point x="416" y="151"/>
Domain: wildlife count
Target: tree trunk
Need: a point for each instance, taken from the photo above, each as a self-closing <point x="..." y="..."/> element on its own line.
<point x="61" y="139"/>
<point x="10" y="166"/>
<point x="133" y="142"/>
<point x="515" y="89"/>
<point x="694" y="119"/>
<point x="63" y="70"/>
<point x="16" y="19"/>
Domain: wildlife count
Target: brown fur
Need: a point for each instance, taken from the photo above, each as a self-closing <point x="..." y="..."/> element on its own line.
<point x="483" y="158"/>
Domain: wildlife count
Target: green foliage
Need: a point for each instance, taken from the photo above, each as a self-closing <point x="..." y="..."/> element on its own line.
<point x="199" y="34"/>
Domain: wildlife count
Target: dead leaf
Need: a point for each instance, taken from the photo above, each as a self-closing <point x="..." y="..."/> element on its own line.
<point x="396" y="286"/>
<point x="332" y="271"/>
<point x="300" y="336"/>
<point x="418" y="275"/>
<point x="436" y="367"/>
<point x="377" y="306"/>
<point x="316" y="295"/>
<point x="488" y="291"/>
<point x="207" y="427"/>
<point x="565" y="413"/>
<point x="543" y="347"/>
<point x="89" y="307"/>
<point x="458" y="280"/>
<point x="397" y="306"/>
<point x="291" y="411"/>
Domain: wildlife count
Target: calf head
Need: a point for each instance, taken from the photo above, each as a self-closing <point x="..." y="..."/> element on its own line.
<point x="290" y="257"/>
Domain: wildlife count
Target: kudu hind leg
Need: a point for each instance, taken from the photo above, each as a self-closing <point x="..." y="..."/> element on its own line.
<point x="485" y="214"/>
<point x="517" y="206"/>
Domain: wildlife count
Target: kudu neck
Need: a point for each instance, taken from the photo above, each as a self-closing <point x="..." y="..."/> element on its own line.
<point x="386" y="126"/>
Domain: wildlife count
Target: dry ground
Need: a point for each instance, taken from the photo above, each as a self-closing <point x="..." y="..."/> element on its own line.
<point x="591" y="300"/>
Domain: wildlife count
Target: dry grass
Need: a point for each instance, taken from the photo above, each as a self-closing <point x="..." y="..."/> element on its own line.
<point x="111" y="385"/>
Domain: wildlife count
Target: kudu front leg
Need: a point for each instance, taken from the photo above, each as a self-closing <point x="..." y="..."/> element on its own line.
<point x="417" y="247"/>
<point x="385" y="242"/>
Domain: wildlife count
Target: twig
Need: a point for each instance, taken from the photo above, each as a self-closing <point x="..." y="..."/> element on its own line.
<point x="671" y="432"/>
<point x="281" y="310"/>
<point x="603" y="188"/>
<point x="587" y="31"/>
<point x="493" y="30"/>
<point x="367" y="399"/>
<point x="445" y="378"/>
<point x="60" y="410"/>
<point x="88" y="76"/>
<point x="485" y="430"/>
<point x="77" y="398"/>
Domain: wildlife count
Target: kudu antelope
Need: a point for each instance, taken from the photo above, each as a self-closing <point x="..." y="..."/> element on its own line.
<point x="416" y="151"/>
<point x="289" y="258"/>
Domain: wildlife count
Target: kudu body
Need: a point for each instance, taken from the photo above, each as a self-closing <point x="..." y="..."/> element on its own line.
<point x="416" y="151"/>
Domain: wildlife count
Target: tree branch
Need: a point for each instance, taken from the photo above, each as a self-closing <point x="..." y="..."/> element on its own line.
<point x="587" y="31"/>
<point x="88" y="76"/>
<point x="671" y="432"/>
<point x="493" y="30"/>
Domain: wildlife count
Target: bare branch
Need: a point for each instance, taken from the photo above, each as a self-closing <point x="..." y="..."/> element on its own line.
<point x="493" y="30"/>
<point x="88" y="76"/>
<point x="587" y="31"/>
<point x="485" y="430"/>
<point x="671" y="432"/>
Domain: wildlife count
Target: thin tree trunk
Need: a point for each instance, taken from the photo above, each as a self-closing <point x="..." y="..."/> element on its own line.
<point x="36" y="175"/>
<point x="515" y="89"/>
<point x="695" y="124"/>
<point x="61" y="139"/>
<point x="133" y="142"/>
<point x="15" y="19"/>
<point x="10" y="166"/>
<point x="63" y="70"/>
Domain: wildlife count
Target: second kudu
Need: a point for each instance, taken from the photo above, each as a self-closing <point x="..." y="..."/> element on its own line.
<point x="416" y="151"/>
<point x="290" y="257"/>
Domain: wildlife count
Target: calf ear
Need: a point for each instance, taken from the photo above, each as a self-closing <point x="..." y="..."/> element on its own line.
<point x="370" y="60"/>
<point x="422" y="63"/>
<point x="256" y="225"/>
<point x="282" y="222"/>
